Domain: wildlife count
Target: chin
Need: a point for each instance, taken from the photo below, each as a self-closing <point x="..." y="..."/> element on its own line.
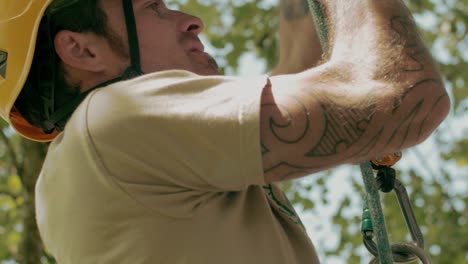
<point x="207" y="67"/>
<point x="208" y="72"/>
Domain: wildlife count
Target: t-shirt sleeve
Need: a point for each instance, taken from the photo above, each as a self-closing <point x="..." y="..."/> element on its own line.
<point x="177" y="130"/>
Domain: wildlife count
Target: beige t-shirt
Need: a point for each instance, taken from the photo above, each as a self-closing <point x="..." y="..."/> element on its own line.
<point x="166" y="168"/>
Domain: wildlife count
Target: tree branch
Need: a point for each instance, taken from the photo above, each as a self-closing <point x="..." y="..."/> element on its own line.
<point x="11" y="151"/>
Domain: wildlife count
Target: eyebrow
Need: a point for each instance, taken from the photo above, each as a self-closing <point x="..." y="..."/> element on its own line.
<point x="137" y="3"/>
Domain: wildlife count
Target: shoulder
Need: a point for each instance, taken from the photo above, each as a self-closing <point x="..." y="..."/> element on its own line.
<point x="161" y="95"/>
<point x="126" y="101"/>
<point x="167" y="94"/>
<point x="160" y="121"/>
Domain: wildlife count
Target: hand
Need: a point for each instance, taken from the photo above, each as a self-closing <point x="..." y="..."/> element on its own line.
<point x="299" y="45"/>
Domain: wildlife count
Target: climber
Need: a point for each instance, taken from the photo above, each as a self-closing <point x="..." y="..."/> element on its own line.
<point x="156" y="158"/>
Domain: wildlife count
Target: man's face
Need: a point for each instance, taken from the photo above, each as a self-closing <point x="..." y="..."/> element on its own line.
<point x="168" y="39"/>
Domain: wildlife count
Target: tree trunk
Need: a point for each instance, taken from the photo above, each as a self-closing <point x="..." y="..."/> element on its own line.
<point x="31" y="248"/>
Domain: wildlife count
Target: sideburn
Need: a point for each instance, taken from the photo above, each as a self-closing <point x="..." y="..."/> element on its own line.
<point x="116" y="43"/>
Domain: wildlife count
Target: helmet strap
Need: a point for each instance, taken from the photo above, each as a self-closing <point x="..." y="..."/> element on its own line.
<point x="43" y="77"/>
<point x="134" y="69"/>
<point x="59" y="118"/>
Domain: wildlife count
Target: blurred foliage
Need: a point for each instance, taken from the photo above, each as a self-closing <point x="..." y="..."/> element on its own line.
<point x="438" y="190"/>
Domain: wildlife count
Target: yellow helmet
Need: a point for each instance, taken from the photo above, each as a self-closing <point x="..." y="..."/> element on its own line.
<point x="19" y="24"/>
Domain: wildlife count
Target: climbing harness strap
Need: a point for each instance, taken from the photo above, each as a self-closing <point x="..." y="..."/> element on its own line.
<point x="373" y="219"/>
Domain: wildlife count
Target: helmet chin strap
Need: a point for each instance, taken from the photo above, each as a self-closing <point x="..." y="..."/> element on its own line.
<point x="58" y="118"/>
<point x="134" y="69"/>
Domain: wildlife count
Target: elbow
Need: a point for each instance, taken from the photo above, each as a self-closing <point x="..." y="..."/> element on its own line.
<point x="414" y="113"/>
<point x="424" y="108"/>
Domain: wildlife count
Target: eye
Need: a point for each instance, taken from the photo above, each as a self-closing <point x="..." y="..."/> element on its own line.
<point x="156" y="5"/>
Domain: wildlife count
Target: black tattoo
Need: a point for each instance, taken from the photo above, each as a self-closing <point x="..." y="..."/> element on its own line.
<point x="438" y="101"/>
<point x="405" y="125"/>
<point x="265" y="150"/>
<point x="294" y="9"/>
<point x="289" y="170"/>
<point x="425" y="84"/>
<point x="281" y="132"/>
<point x="343" y="128"/>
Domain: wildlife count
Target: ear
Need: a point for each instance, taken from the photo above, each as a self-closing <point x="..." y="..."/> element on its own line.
<point x="79" y="50"/>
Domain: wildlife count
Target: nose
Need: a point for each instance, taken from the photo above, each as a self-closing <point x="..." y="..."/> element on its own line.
<point x="190" y="24"/>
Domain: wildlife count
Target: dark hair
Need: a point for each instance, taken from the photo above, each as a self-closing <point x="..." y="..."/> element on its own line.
<point x="77" y="16"/>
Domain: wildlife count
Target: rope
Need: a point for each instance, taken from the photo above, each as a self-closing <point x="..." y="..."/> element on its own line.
<point x="372" y="202"/>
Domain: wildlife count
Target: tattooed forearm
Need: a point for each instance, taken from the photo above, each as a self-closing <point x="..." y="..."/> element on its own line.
<point x="329" y="133"/>
<point x="294" y="9"/>
<point x="265" y="150"/>
<point x="314" y="124"/>
<point x="316" y="129"/>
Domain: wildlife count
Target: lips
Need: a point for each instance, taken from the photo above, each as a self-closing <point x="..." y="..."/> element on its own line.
<point x="197" y="47"/>
<point x="198" y="50"/>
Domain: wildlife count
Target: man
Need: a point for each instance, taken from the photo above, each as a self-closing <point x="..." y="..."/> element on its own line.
<point x="179" y="165"/>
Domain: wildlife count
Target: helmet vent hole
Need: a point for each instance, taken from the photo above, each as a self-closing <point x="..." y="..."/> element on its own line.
<point x="3" y="63"/>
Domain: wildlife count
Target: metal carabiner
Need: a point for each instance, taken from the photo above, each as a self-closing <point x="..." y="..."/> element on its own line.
<point x="408" y="249"/>
<point x="408" y="214"/>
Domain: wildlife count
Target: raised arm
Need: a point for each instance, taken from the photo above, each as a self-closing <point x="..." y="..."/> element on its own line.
<point x="380" y="92"/>
<point x="299" y="48"/>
